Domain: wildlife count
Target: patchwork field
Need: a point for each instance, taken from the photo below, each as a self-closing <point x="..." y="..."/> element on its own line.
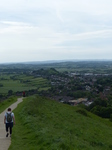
<point x="21" y="83"/>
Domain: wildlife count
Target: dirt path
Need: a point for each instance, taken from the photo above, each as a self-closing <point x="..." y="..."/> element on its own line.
<point x="5" y="142"/>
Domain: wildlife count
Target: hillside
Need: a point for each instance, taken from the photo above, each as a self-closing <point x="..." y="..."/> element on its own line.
<point x="43" y="124"/>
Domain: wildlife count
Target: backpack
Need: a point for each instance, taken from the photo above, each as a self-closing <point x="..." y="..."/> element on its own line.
<point x="9" y="117"/>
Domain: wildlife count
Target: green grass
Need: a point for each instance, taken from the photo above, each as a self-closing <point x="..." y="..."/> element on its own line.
<point x="4" y="76"/>
<point x="43" y="124"/>
<point x="6" y="103"/>
<point x="14" y="86"/>
<point x="22" y="83"/>
<point x="44" y="89"/>
<point x="39" y="82"/>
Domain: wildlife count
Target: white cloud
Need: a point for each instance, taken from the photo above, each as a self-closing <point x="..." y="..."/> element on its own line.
<point x="12" y="23"/>
<point x="55" y="30"/>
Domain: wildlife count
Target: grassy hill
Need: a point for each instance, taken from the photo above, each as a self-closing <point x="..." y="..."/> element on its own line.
<point x="43" y="124"/>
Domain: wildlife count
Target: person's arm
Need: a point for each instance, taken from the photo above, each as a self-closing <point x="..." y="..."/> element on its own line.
<point x="4" y="119"/>
<point x="13" y="119"/>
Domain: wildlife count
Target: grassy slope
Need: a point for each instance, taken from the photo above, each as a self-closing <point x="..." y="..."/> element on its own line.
<point x="6" y="103"/>
<point x="43" y="124"/>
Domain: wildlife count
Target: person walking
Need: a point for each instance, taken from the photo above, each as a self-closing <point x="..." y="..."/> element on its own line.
<point x="9" y="120"/>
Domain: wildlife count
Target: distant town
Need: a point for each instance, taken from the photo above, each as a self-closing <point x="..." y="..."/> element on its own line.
<point x="75" y="88"/>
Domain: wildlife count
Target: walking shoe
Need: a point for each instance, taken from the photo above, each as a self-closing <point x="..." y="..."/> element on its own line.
<point x="7" y="134"/>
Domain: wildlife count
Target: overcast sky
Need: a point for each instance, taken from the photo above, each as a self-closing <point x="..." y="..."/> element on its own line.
<point x="37" y="30"/>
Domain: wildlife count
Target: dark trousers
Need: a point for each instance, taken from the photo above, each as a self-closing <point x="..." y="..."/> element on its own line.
<point x="9" y="127"/>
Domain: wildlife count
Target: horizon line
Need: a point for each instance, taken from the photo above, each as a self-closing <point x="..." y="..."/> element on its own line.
<point x="52" y="61"/>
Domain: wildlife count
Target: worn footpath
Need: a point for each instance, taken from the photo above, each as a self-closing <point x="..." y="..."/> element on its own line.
<point x="6" y="141"/>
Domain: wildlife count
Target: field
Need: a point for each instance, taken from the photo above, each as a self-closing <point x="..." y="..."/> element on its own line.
<point x="21" y="83"/>
<point x="43" y="124"/>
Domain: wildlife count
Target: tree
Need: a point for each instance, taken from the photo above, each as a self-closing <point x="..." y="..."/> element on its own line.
<point x="1" y="85"/>
<point x="10" y="92"/>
